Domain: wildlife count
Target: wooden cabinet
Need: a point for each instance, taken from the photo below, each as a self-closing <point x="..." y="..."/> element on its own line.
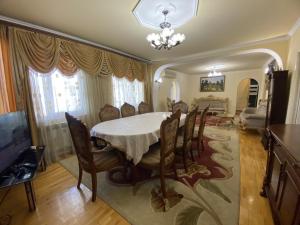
<point x="277" y="101"/>
<point x="282" y="179"/>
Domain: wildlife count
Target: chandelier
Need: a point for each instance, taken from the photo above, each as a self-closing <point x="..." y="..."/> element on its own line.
<point x="214" y="73"/>
<point x="166" y="39"/>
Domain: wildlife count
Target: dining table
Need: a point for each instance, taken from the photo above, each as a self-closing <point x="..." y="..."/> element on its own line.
<point x="133" y="135"/>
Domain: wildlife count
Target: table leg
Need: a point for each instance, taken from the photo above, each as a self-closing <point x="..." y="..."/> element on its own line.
<point x="43" y="164"/>
<point x="30" y="195"/>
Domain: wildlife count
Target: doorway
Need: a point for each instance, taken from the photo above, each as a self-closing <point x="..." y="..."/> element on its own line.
<point x="247" y="94"/>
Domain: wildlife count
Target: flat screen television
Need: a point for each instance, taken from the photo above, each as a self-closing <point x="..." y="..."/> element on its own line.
<point x="15" y="137"/>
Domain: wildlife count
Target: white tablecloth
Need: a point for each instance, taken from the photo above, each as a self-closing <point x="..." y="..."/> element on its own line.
<point x="133" y="135"/>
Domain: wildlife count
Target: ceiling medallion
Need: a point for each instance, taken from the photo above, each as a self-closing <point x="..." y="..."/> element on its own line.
<point x="166" y="39"/>
<point x="165" y="15"/>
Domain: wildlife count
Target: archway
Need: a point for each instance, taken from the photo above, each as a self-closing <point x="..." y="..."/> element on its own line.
<point x="247" y="94"/>
<point x="160" y="69"/>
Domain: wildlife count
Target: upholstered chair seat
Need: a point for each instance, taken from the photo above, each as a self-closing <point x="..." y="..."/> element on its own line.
<point x="184" y="141"/>
<point x="152" y="157"/>
<point x="104" y="159"/>
<point x="90" y="158"/>
<point x="198" y="132"/>
<point x="161" y="156"/>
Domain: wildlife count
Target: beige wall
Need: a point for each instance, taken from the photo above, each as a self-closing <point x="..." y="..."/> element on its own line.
<point x="232" y="80"/>
<point x="168" y="77"/>
<point x="294" y="70"/>
<point x="242" y="94"/>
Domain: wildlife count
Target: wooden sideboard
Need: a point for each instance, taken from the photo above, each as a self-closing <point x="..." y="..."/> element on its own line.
<point x="282" y="179"/>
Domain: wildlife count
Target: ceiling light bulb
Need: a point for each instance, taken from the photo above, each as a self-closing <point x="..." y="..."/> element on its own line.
<point x="166" y="32"/>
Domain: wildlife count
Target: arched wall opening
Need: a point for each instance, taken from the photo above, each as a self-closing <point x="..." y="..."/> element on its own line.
<point x="247" y="94"/>
<point x="162" y="68"/>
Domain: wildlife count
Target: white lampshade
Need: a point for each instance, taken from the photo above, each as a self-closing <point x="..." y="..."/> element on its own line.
<point x="166" y="32"/>
<point x="152" y="37"/>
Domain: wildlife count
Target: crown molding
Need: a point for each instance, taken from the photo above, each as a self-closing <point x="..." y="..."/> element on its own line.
<point x="294" y="28"/>
<point x="67" y="36"/>
<point x="220" y="51"/>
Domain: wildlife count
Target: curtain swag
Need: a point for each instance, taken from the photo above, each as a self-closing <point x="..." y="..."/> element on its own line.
<point x="44" y="52"/>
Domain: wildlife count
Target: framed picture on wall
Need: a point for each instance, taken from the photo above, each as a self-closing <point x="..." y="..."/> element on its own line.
<point x="212" y="84"/>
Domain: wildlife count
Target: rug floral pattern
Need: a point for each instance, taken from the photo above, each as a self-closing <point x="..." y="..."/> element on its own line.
<point x="208" y="194"/>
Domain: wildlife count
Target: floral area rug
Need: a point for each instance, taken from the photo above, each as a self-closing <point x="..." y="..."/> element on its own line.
<point x="208" y="194"/>
<point x="219" y="121"/>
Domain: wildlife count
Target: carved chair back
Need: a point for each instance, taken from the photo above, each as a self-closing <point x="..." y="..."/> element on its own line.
<point x="189" y="129"/>
<point x="202" y="124"/>
<point x="127" y="110"/>
<point x="168" y="137"/>
<point x="144" y="108"/>
<point x="109" y="112"/>
<point x="180" y="105"/>
<point x="81" y="140"/>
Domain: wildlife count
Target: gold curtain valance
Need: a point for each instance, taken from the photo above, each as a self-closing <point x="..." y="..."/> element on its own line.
<point x="44" y="52"/>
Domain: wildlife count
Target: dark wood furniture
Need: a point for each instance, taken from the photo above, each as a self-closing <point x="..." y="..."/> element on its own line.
<point x="198" y="135"/>
<point x="277" y="100"/>
<point x="282" y="180"/>
<point x="109" y="112"/>
<point x="23" y="171"/>
<point x="184" y="142"/>
<point x="91" y="159"/>
<point x="161" y="156"/>
<point x="127" y="110"/>
<point x="144" y="108"/>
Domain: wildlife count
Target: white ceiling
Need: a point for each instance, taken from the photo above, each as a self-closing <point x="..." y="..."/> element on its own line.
<point x="229" y="63"/>
<point x="218" y="24"/>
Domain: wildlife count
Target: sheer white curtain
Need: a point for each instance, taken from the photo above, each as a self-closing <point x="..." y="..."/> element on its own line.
<point x="82" y="95"/>
<point x="53" y="94"/>
<point x="124" y="90"/>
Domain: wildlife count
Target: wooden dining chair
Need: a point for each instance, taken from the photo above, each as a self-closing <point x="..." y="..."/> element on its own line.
<point x="184" y="143"/>
<point x="144" y="108"/>
<point x="127" y="110"/>
<point x="109" y="112"/>
<point x="90" y="159"/>
<point x="182" y="106"/>
<point x="198" y="134"/>
<point x="162" y="156"/>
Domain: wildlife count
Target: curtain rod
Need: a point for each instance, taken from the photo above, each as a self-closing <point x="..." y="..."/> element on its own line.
<point x="34" y="27"/>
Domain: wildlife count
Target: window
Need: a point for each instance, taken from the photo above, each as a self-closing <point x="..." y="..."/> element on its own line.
<point x="54" y="94"/>
<point x="124" y="90"/>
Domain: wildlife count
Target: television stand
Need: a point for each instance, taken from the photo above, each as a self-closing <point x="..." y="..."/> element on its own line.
<point x="24" y="170"/>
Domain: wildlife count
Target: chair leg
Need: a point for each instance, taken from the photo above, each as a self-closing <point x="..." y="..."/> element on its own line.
<point x="202" y="145"/>
<point x="175" y="171"/>
<point x="79" y="177"/>
<point x="94" y="186"/>
<point x="185" y="161"/>
<point x="134" y="175"/>
<point x="163" y="188"/>
<point x="192" y="155"/>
